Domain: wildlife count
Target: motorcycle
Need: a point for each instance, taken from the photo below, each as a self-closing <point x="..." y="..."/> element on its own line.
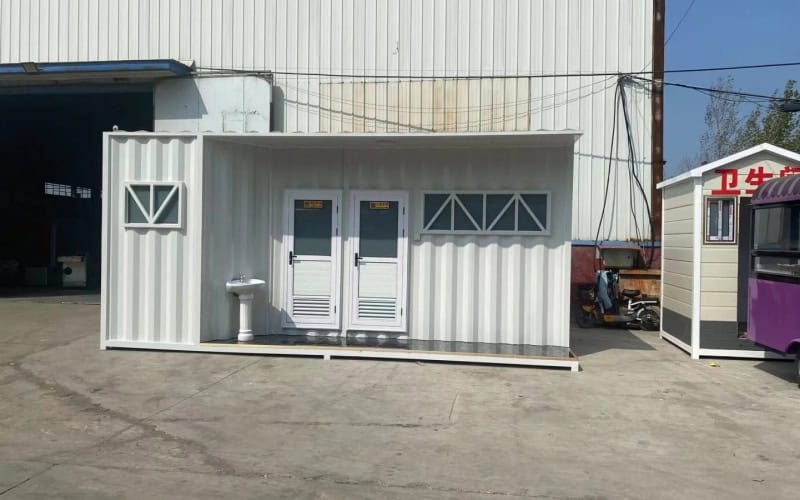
<point x="603" y="304"/>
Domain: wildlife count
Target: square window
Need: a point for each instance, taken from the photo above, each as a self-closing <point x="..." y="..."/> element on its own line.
<point x="720" y="220"/>
<point x="438" y="209"/>
<point x="153" y="204"/>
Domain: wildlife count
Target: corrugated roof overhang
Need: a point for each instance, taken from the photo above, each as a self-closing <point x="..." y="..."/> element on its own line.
<point x="487" y="140"/>
<point x="32" y="73"/>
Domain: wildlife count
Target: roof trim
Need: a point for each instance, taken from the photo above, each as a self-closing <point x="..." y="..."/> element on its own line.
<point x="49" y="72"/>
<point x="542" y="139"/>
<point x="699" y="171"/>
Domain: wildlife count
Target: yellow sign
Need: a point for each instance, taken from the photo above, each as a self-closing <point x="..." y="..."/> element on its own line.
<point x="379" y="205"/>
<point x="313" y="204"/>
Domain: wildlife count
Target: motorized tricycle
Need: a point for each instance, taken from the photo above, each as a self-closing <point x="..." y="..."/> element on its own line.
<point x="604" y="304"/>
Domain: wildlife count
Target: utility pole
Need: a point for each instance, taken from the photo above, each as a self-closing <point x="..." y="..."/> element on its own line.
<point x="657" y="115"/>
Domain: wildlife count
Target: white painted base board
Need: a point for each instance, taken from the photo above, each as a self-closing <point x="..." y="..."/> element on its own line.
<point x="730" y="353"/>
<point x="675" y="341"/>
<point x="328" y="352"/>
<point x="724" y="353"/>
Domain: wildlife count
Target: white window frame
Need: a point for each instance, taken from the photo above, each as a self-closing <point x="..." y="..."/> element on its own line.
<point x="152" y="216"/>
<point x="734" y="222"/>
<point x="515" y="196"/>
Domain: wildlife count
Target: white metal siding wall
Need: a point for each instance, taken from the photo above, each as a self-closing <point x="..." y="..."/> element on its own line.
<point x="462" y="288"/>
<point x="236" y="234"/>
<point x="678" y="248"/>
<point x="153" y="275"/>
<point x="487" y="38"/>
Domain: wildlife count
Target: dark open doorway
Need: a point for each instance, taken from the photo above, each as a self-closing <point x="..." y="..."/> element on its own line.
<point x="51" y="176"/>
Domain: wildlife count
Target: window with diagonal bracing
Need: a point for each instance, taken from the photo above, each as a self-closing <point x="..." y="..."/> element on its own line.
<point x="153" y="204"/>
<point x="495" y="213"/>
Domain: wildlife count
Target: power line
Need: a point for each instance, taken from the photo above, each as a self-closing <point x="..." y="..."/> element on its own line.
<point x="683" y="17"/>
<point x="412" y="77"/>
<point x="768" y="98"/>
<point x="413" y="109"/>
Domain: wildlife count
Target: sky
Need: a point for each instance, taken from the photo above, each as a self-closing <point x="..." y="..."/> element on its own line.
<point x="723" y="33"/>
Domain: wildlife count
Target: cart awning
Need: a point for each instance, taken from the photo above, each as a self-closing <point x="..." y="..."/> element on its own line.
<point x="778" y="190"/>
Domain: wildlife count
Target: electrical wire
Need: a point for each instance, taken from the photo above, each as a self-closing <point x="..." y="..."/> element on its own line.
<point x="315" y="74"/>
<point x="479" y="108"/>
<point x="608" y="173"/>
<point x="630" y="162"/>
<point x="762" y="97"/>
<point x="677" y="26"/>
<point x="634" y="175"/>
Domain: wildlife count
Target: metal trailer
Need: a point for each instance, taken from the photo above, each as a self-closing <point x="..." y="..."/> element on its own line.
<point x="416" y="246"/>
<point x="774" y="283"/>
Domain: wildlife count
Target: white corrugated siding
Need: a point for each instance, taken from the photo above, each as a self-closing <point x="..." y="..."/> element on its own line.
<point x="495" y="289"/>
<point x="487" y="38"/>
<point x="236" y="235"/>
<point x="152" y="280"/>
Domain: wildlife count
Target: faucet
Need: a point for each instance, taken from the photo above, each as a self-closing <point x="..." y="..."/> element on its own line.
<point x="240" y="277"/>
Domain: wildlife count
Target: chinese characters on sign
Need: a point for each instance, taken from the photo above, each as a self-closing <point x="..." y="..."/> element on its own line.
<point x="729" y="178"/>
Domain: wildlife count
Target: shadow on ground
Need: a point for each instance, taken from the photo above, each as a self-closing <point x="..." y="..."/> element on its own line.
<point x="779" y="368"/>
<point x="593" y="340"/>
<point x="51" y="295"/>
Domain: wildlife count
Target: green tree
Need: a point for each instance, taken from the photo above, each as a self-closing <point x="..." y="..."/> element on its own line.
<point x="728" y="131"/>
<point x="722" y="120"/>
<point x="772" y="125"/>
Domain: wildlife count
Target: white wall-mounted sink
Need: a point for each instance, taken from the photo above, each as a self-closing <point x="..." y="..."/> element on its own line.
<point x="244" y="288"/>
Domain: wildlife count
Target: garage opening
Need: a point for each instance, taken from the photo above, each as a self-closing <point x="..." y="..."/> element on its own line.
<point x="51" y="179"/>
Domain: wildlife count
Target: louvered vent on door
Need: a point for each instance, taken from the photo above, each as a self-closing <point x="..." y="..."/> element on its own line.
<point x="375" y="308"/>
<point x="303" y="305"/>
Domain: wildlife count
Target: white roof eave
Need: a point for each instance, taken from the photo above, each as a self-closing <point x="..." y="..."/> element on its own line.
<point x="538" y="138"/>
<point x="699" y="171"/>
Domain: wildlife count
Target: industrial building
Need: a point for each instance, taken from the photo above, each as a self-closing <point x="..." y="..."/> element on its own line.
<point x="481" y="69"/>
<point x="72" y="70"/>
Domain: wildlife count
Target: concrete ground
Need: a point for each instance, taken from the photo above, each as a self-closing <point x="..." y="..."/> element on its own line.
<point x="640" y="421"/>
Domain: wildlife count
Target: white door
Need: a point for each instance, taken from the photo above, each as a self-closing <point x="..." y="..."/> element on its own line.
<point x="313" y="260"/>
<point x="378" y="260"/>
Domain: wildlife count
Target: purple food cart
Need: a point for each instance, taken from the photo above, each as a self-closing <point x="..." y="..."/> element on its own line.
<point x="774" y="283"/>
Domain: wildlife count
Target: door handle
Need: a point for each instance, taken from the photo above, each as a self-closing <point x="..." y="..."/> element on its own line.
<point x="357" y="259"/>
<point x="291" y="257"/>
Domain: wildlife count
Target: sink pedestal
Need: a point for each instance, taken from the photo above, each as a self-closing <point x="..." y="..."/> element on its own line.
<point x="244" y="289"/>
<point x="245" y="317"/>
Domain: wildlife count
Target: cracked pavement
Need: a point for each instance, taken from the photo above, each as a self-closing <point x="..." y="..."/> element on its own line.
<point x="640" y="421"/>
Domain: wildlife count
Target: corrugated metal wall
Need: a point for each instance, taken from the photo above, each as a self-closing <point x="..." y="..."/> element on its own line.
<point x="439" y="105"/>
<point x="236" y="234"/>
<point x="462" y="288"/>
<point x="450" y="39"/>
<point x="152" y="281"/>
